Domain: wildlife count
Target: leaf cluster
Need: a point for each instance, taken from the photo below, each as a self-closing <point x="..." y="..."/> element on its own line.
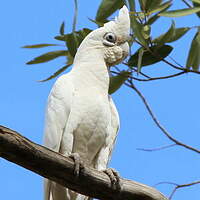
<point x="151" y="49"/>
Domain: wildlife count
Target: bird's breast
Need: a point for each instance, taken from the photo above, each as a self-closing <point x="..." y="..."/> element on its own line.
<point x="92" y="114"/>
<point x="93" y="111"/>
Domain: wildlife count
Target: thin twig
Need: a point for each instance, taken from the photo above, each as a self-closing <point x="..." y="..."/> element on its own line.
<point x="167" y="62"/>
<point x="165" y="182"/>
<point x="131" y="85"/>
<point x="158" y="148"/>
<point x="143" y="74"/>
<point x="116" y="69"/>
<point x="180" y="68"/>
<point x="175" y="61"/>
<point x="132" y="68"/>
<point x="151" y="79"/>
<point x="158" y="78"/>
<point x="177" y="186"/>
<point x="186" y="3"/>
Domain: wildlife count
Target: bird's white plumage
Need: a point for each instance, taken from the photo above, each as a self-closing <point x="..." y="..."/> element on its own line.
<point x="81" y="117"/>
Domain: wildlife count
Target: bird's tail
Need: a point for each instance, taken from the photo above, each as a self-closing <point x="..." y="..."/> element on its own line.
<point x="54" y="191"/>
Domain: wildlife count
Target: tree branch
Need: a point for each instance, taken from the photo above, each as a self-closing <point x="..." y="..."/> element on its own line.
<point x="56" y="167"/>
<point x="167" y="62"/>
<point x="158" y="148"/>
<point x="131" y="85"/>
<point x="153" y="78"/>
<point x="159" y="78"/>
<point x="177" y="186"/>
<point x="180" y="68"/>
<point x="186" y="3"/>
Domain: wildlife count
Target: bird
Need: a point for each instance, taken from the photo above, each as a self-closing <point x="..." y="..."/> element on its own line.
<point x="81" y="118"/>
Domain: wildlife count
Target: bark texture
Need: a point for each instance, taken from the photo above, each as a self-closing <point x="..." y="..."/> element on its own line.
<point x="18" y="149"/>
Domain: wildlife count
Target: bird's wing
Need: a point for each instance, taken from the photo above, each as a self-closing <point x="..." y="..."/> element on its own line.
<point x="105" y="153"/>
<point x="57" y="113"/>
<point x="115" y="123"/>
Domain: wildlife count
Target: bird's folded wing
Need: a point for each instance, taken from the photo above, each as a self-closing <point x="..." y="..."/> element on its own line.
<point x="57" y="112"/>
<point x="106" y="151"/>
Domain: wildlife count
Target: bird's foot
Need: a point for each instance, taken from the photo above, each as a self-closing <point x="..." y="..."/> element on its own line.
<point x="114" y="178"/>
<point x="78" y="163"/>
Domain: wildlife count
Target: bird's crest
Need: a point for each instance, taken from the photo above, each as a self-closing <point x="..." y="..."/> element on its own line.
<point x="121" y="24"/>
<point x="120" y="27"/>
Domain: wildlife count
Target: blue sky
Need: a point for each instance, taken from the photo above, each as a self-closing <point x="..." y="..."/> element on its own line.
<point x="22" y="103"/>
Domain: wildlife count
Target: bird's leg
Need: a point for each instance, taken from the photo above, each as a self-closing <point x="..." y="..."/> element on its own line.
<point x="114" y="178"/>
<point x="78" y="163"/>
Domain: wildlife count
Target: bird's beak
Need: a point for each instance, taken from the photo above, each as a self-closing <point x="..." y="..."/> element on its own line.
<point x="125" y="49"/>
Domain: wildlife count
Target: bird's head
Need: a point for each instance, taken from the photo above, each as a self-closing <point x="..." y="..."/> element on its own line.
<point x="111" y="40"/>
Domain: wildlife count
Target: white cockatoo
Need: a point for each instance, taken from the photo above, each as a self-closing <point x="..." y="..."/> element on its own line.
<point x="81" y="118"/>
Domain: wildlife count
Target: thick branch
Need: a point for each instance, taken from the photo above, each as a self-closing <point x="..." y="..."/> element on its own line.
<point x="51" y="165"/>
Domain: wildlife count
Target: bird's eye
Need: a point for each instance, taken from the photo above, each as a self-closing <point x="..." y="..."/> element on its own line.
<point x="110" y="37"/>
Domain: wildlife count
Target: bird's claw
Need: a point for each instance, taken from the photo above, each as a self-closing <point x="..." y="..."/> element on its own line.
<point x="78" y="163"/>
<point x="114" y="178"/>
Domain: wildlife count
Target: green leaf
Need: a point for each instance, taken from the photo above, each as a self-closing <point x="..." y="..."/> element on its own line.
<point x="55" y="74"/>
<point x="155" y="54"/>
<point x="138" y="30"/>
<point x="70" y="60"/>
<point x="84" y="32"/>
<point x="178" y="33"/>
<point x="107" y="8"/>
<point x="39" y="45"/>
<point x="100" y="24"/>
<point x="48" y="56"/>
<point x="139" y="64"/>
<point x="72" y="43"/>
<point x="117" y="81"/>
<point x="62" y="29"/>
<point x="73" y="40"/>
<point x="171" y="35"/>
<point x="163" y="7"/>
<point x="165" y="37"/>
<point x="193" y="60"/>
<point x="131" y="5"/>
<point x="143" y="5"/>
<point x="196" y="3"/>
<point x="181" y="12"/>
<point x="152" y="4"/>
